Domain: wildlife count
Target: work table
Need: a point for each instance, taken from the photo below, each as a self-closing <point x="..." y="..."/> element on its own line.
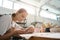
<point x="46" y="35"/>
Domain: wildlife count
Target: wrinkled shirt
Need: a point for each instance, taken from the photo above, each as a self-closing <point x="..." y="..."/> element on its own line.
<point x="5" y="23"/>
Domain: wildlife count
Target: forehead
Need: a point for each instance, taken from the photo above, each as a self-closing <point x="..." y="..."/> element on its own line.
<point x="22" y="14"/>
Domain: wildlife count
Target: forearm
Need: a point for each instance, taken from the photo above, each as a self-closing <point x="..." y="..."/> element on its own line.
<point x="7" y="36"/>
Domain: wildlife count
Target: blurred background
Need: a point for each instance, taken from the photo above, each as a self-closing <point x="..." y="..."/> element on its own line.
<point x="40" y="11"/>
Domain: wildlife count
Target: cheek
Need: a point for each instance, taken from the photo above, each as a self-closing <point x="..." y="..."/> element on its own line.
<point x="20" y="19"/>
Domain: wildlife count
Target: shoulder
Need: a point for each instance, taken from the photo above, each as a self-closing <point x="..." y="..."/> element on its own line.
<point x="5" y="21"/>
<point x="6" y="17"/>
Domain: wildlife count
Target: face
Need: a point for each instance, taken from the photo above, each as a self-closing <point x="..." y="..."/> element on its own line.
<point x="21" y="16"/>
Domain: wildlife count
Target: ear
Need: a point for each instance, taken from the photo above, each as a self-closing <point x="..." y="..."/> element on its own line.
<point x="13" y="15"/>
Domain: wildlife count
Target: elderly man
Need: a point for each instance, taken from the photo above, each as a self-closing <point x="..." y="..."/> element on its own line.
<point x="9" y="27"/>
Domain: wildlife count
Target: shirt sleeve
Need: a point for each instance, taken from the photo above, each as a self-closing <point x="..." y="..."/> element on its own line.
<point x="5" y="23"/>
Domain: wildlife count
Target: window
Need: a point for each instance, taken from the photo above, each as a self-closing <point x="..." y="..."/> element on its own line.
<point x="37" y="11"/>
<point x="0" y="2"/>
<point x="16" y="6"/>
<point x="47" y="14"/>
<point x="30" y="9"/>
<point x="7" y="4"/>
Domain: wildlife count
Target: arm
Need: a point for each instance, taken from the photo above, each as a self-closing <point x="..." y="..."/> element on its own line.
<point x="10" y="33"/>
<point x="29" y="30"/>
<point x="6" y="36"/>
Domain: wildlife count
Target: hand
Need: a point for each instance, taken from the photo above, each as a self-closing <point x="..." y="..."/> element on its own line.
<point x="29" y="30"/>
<point x="19" y="31"/>
<point x="14" y="31"/>
<point x="10" y="30"/>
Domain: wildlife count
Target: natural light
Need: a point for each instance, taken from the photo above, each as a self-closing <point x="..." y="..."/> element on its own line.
<point x="17" y="5"/>
<point x="7" y="4"/>
<point x="46" y="14"/>
<point x="0" y="2"/>
<point x="30" y="9"/>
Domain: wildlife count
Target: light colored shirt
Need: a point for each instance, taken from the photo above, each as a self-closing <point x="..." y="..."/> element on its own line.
<point x="15" y="25"/>
<point x="18" y="27"/>
<point x="5" y="23"/>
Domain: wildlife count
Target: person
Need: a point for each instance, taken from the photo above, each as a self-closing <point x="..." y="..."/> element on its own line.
<point x="7" y="30"/>
<point x="4" y="24"/>
<point x="19" y="16"/>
